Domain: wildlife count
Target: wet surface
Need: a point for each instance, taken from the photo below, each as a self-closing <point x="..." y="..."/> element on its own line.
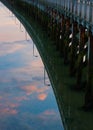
<point x="27" y="101"/>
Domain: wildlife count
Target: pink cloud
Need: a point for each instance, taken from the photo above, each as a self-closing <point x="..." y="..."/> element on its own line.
<point x="49" y="112"/>
<point x="7" y="48"/>
<point x="29" y="89"/>
<point x="41" y="93"/>
<point x="33" y="89"/>
<point x="42" y="96"/>
<point x="7" y="111"/>
<point x="49" y="115"/>
<point x="0" y="97"/>
<point x="37" y="63"/>
<point x="21" y="98"/>
<point x="12" y="105"/>
<point x="13" y="112"/>
<point x="2" y="80"/>
<point x="8" y="108"/>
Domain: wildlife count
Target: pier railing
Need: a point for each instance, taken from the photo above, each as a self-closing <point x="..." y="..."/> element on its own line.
<point x="81" y="10"/>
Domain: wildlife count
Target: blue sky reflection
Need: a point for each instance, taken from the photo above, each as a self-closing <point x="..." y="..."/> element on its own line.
<point x="25" y="102"/>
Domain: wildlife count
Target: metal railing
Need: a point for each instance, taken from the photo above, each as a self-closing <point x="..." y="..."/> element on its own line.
<point x="79" y="9"/>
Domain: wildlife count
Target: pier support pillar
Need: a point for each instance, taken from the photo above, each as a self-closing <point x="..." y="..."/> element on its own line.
<point x="62" y="32"/>
<point x="82" y="41"/>
<point x="66" y="41"/>
<point x="89" y="88"/>
<point x="73" y="51"/>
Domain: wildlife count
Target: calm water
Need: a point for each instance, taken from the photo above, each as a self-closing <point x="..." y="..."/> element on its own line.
<point x="26" y="101"/>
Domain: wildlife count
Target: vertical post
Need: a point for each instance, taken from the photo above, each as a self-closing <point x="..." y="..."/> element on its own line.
<point x="34" y="51"/>
<point x="73" y="6"/>
<point x="76" y="7"/>
<point x="90" y="12"/>
<point x="64" y="4"/>
<point x="66" y="41"/>
<point x="80" y="9"/>
<point x="69" y="5"/>
<point x="48" y="84"/>
<point x="73" y="56"/>
<point x="25" y="35"/>
<point x="44" y="77"/>
<point x="89" y="89"/>
<point x="62" y="33"/>
<point x="85" y="9"/>
<point x="80" y="58"/>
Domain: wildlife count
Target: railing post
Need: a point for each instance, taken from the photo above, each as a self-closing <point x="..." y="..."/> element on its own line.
<point x="90" y="12"/>
<point x="80" y="9"/>
<point x="75" y="7"/>
<point x="85" y="9"/>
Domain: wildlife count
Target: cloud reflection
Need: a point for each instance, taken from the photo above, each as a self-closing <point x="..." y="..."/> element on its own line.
<point x="8" y="108"/>
<point x="46" y="120"/>
<point x="7" y="111"/>
<point x="21" y="98"/>
<point x="6" y="48"/>
<point x="42" y="96"/>
<point x="1" y="97"/>
<point x="22" y="88"/>
<point x="40" y="92"/>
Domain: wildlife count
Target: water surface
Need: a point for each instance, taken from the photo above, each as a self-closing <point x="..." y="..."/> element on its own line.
<point x="27" y="101"/>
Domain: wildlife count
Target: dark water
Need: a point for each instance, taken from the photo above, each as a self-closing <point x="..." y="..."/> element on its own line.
<point x="27" y="101"/>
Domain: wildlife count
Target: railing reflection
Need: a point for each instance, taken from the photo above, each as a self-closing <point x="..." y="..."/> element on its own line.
<point x="34" y="54"/>
<point x="45" y="82"/>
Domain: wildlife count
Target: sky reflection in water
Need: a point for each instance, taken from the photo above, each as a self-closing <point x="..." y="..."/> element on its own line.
<point x="26" y="103"/>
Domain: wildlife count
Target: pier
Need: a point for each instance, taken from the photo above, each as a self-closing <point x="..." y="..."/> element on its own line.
<point x="63" y="33"/>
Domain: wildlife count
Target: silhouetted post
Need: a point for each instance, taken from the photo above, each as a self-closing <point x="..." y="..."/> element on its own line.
<point x="89" y="89"/>
<point x="76" y="7"/>
<point x="80" y="8"/>
<point x="66" y="41"/>
<point x="90" y="12"/>
<point x="85" y="9"/>
<point x="83" y="40"/>
<point x="62" y="32"/>
<point x="73" y="44"/>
